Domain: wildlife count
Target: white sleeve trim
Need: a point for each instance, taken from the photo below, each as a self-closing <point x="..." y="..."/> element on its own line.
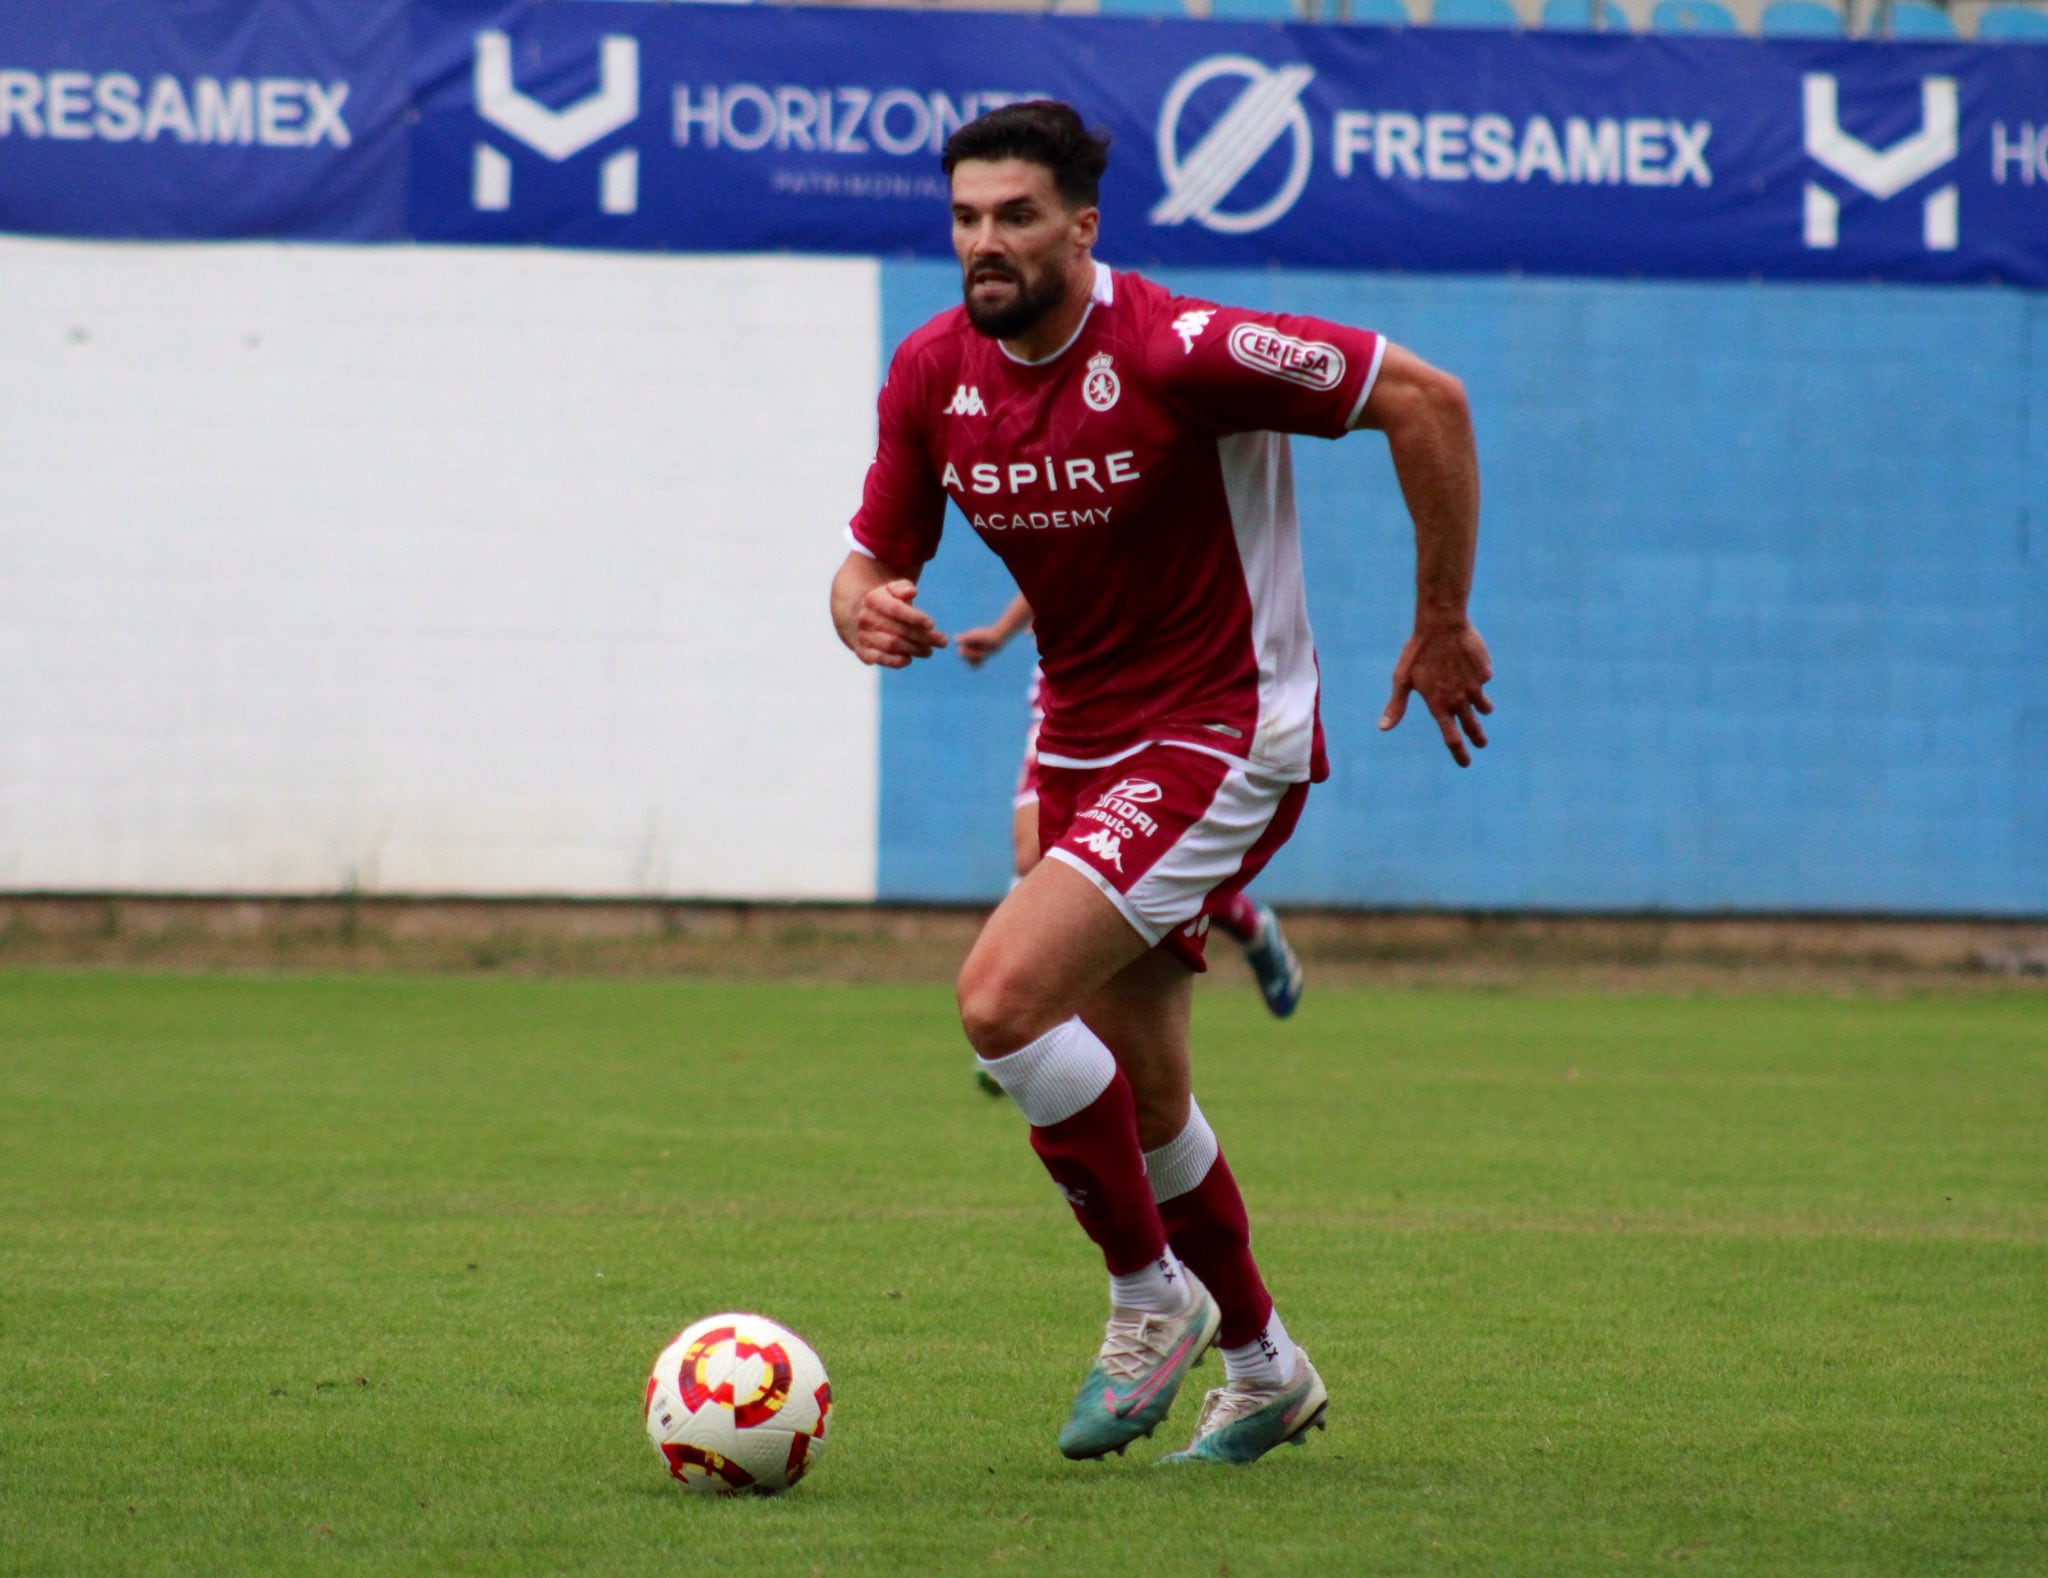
<point x="1372" y="376"/>
<point x="860" y="547"/>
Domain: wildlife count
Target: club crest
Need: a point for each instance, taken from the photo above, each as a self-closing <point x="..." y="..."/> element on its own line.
<point x="1102" y="386"/>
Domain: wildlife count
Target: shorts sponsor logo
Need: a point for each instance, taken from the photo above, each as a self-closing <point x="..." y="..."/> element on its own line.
<point x="1119" y="817"/>
<point x="1101" y="387"/>
<point x="1310" y="363"/>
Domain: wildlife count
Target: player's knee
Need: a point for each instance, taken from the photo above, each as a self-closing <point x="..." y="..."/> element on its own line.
<point x="997" y="1009"/>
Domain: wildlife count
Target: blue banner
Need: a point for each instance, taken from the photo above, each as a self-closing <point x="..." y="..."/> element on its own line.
<point x="1306" y="146"/>
<point x="769" y="129"/>
<point x="204" y="119"/>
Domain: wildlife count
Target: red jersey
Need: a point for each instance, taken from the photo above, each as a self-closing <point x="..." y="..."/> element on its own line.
<point x="1138" y="486"/>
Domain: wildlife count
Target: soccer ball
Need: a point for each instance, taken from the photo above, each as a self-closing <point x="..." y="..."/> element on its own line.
<point x="737" y="1405"/>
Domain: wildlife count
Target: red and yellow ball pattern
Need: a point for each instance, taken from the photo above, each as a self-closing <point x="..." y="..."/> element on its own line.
<point x="738" y="1405"/>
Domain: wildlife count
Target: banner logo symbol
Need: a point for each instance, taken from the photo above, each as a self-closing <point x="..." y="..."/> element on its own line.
<point x="1267" y="109"/>
<point x="1882" y="172"/>
<point x="557" y="134"/>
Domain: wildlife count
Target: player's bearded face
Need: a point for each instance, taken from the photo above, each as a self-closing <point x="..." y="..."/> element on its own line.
<point x="1005" y="298"/>
<point x="1015" y="239"/>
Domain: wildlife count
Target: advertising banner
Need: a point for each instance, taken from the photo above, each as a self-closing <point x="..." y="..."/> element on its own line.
<point x="1303" y="146"/>
<point x="204" y="119"/>
<point x="757" y="128"/>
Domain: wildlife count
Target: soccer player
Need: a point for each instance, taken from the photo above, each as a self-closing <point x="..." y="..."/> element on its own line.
<point x="1121" y="448"/>
<point x="1251" y="924"/>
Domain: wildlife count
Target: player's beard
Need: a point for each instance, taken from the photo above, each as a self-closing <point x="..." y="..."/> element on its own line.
<point x="1034" y="299"/>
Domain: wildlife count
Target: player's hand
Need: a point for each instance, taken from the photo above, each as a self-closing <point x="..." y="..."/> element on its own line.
<point x="1446" y="664"/>
<point x="891" y="630"/>
<point x="979" y="644"/>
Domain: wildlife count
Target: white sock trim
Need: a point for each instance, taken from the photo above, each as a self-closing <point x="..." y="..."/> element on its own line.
<point x="1269" y="1357"/>
<point x="1183" y="1161"/>
<point x="1055" y="1076"/>
<point x="1159" y="1289"/>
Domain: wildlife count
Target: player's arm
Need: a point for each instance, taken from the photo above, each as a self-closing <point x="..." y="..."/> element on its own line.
<point x="874" y="610"/>
<point x="1428" y="424"/>
<point x="985" y="641"/>
<point x="894" y="533"/>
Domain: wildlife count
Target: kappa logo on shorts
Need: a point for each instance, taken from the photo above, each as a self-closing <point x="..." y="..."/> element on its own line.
<point x="1119" y="820"/>
<point x="1105" y="846"/>
<point x="1196" y="928"/>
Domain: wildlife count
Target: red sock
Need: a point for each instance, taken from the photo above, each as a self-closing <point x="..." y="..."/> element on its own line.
<point x="1095" y="1158"/>
<point x="1240" y="917"/>
<point x="1211" y="1233"/>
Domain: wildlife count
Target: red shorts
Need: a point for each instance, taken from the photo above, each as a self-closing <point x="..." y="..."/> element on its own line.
<point x="1027" y="774"/>
<point x="1168" y="834"/>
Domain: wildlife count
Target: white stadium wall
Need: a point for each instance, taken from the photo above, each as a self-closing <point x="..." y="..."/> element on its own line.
<point x="431" y="571"/>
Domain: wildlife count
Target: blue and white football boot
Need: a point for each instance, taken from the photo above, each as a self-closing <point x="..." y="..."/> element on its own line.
<point x="1274" y="964"/>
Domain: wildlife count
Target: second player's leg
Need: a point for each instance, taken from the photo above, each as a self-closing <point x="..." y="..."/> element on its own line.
<point x="1142" y="1014"/>
<point x="1024" y="837"/>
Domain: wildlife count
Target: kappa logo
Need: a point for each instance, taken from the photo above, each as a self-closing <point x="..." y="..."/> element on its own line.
<point x="1882" y="173"/>
<point x="557" y="134"/>
<point x="1201" y="180"/>
<point x="1101" y="387"/>
<point x="1105" y="846"/>
<point x="1190" y="324"/>
<point x="966" y="402"/>
<point x="1310" y="363"/>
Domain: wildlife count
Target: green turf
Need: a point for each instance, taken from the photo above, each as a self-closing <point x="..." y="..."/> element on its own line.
<point x="364" y="1274"/>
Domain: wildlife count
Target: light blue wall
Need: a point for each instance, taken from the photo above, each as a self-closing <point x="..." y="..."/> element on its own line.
<point x="1764" y="570"/>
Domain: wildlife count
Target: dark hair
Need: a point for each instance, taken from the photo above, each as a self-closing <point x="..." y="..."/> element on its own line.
<point x="1045" y="132"/>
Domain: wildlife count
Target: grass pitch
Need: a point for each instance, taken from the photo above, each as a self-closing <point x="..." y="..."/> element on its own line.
<point x="317" y="1274"/>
